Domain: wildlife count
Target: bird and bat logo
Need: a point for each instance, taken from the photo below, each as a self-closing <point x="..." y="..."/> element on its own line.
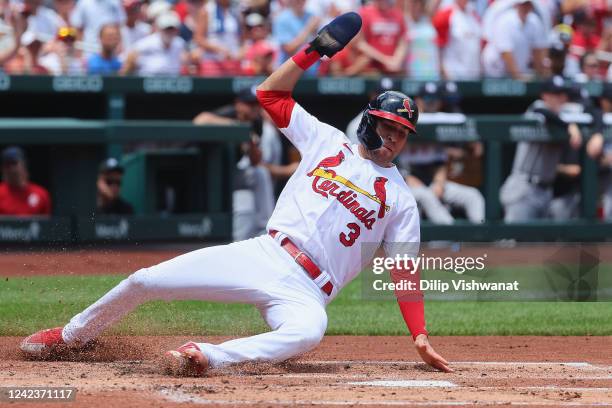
<point x="328" y="183"/>
<point x="407" y="108"/>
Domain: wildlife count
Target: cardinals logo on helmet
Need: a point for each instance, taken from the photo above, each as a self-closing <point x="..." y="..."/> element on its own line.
<point x="407" y="108"/>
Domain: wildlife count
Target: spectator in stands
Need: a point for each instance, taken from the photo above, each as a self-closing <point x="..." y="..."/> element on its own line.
<point x="90" y="15"/>
<point x="64" y="9"/>
<point x="259" y="52"/>
<point x="189" y="11"/>
<point x="43" y="22"/>
<point x="423" y="61"/>
<point x="527" y="192"/>
<point x="383" y="37"/>
<point x="562" y="63"/>
<point x="459" y="39"/>
<point x="18" y="196"/>
<point x="11" y="31"/>
<point x="292" y="27"/>
<point x="27" y="59"/>
<point x="156" y="9"/>
<point x="106" y="62"/>
<point x="217" y="36"/>
<point x="262" y="7"/>
<point x="135" y="29"/>
<point x="348" y="62"/>
<point x="604" y="53"/>
<point x="426" y="172"/>
<point x="518" y="39"/>
<point x="109" y="201"/>
<point x="64" y="58"/>
<point x="586" y="38"/>
<point x="589" y="68"/>
<point x="160" y="53"/>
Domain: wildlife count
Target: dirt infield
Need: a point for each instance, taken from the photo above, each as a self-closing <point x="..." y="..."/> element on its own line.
<point x="342" y="371"/>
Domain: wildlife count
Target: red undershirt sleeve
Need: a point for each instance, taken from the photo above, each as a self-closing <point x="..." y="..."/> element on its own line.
<point x="278" y="104"/>
<point x="411" y="302"/>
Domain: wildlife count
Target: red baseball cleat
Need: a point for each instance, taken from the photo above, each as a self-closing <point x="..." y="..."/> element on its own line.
<point x="186" y="361"/>
<point x="43" y="343"/>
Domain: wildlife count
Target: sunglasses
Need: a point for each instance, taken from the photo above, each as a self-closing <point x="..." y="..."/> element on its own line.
<point x="113" y="181"/>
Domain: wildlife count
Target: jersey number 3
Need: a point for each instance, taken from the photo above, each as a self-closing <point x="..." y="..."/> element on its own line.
<point x="349" y="239"/>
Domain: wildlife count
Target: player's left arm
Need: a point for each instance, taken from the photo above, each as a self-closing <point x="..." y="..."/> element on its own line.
<point x="402" y="237"/>
<point x="274" y="94"/>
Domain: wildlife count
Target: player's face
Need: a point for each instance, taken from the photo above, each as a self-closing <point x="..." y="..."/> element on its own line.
<point x="113" y="180"/>
<point x="14" y="172"/>
<point x="394" y="136"/>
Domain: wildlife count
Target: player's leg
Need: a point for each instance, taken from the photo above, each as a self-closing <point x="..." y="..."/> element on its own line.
<point x="565" y="207"/>
<point x="243" y="215"/>
<point x="431" y="206"/>
<point x="607" y="197"/>
<point x="467" y="198"/>
<point x="294" y="310"/>
<point x="297" y="327"/>
<point x="263" y="188"/>
<point x="516" y="197"/>
<point x="238" y="272"/>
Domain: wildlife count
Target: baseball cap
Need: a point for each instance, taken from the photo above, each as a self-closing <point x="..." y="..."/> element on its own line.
<point x="555" y="85"/>
<point x="430" y="90"/>
<point x="247" y="95"/>
<point x="110" y="164"/>
<point x="12" y="154"/>
<point x="30" y="37"/>
<point x="157" y="8"/>
<point x="168" y="19"/>
<point x="254" y="20"/>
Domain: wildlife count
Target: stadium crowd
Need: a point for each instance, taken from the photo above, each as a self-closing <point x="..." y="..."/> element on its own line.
<point x="418" y="39"/>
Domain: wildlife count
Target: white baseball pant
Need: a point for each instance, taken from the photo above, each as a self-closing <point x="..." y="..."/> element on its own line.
<point x="256" y="271"/>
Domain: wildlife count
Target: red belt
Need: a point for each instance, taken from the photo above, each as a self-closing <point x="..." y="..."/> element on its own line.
<point x="304" y="261"/>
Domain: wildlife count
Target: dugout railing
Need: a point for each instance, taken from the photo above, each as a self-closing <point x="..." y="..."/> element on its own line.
<point x="75" y="147"/>
<point x="107" y="112"/>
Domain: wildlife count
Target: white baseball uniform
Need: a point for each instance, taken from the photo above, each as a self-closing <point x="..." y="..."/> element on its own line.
<point x="335" y="201"/>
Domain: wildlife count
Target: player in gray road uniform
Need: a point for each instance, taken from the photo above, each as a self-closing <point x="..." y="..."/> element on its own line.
<point x="527" y="192"/>
<point x="426" y="172"/>
<point x="601" y="149"/>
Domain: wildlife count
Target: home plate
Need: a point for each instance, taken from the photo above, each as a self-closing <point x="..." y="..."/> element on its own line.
<point x="405" y="383"/>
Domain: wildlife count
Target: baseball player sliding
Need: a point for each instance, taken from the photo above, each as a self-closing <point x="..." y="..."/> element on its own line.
<point x="340" y="197"/>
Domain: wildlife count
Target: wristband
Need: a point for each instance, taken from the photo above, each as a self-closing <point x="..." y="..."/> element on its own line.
<point x="305" y="59"/>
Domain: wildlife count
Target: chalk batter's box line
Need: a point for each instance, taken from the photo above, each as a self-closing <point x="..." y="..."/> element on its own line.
<point x="573" y="364"/>
<point x="179" y="396"/>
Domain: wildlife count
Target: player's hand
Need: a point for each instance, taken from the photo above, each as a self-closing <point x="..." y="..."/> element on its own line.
<point x="394" y="65"/>
<point x="255" y="154"/>
<point x="438" y="189"/>
<point x="575" y="137"/>
<point x="429" y="355"/>
<point x="594" y="146"/>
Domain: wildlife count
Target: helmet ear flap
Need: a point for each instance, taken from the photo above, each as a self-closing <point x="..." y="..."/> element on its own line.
<point x="366" y="132"/>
